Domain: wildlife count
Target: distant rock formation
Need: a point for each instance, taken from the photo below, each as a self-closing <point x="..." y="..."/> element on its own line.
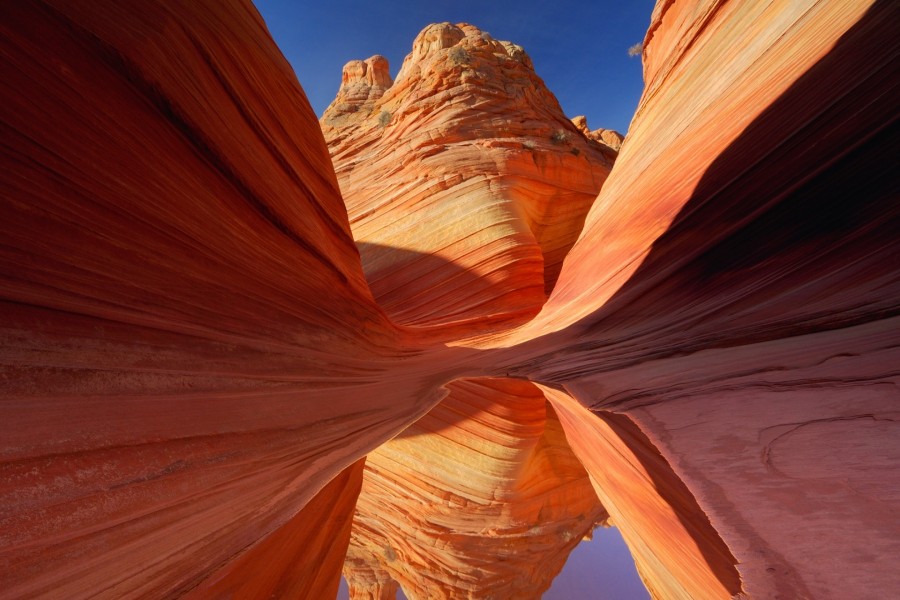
<point x="447" y="251"/>
<point x="199" y="391"/>
<point x="465" y="183"/>
<point x="363" y="82"/>
<point x="609" y="137"/>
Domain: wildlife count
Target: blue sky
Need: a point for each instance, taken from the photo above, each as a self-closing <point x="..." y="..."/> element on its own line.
<point x="578" y="47"/>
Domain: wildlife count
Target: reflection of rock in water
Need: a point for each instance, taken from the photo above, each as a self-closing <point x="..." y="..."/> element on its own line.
<point x="675" y="548"/>
<point x="485" y="486"/>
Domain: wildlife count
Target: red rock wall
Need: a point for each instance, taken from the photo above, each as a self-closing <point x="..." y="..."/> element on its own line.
<point x="186" y="330"/>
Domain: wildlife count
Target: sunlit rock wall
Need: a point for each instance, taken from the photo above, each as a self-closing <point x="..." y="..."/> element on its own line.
<point x="733" y="293"/>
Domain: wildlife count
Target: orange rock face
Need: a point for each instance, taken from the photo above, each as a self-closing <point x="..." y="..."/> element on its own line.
<point x="452" y="208"/>
<point x="195" y="360"/>
<point x="465" y="183"/>
<point x="610" y="138"/>
<point x="276" y="567"/>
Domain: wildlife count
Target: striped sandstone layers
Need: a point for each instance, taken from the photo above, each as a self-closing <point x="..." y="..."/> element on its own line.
<point x="464" y="182"/>
<point x="194" y="366"/>
<point x="732" y="294"/>
<point x="185" y="324"/>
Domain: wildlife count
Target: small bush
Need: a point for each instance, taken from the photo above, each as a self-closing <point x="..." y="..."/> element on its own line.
<point x="458" y="55"/>
<point x="528" y="145"/>
<point x="560" y="136"/>
<point x="384" y="118"/>
<point x="575" y="151"/>
<point x="636" y="50"/>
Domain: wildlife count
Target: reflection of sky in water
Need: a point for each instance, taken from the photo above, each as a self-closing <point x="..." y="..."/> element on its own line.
<point x="600" y="569"/>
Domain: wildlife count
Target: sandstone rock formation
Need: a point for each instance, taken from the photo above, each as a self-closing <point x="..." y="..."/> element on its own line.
<point x="185" y="325"/>
<point x="456" y="489"/>
<point x="465" y="183"/>
<point x="730" y="292"/>
<point x="609" y="137"/>
<point x="193" y="366"/>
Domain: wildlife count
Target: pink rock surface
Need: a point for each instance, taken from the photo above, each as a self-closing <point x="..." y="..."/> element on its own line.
<point x="677" y="552"/>
<point x="730" y="292"/>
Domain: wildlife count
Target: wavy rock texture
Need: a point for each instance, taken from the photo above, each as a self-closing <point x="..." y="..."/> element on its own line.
<point x="730" y="292"/>
<point x="186" y="328"/>
<point x="742" y="163"/>
<point x="190" y="352"/>
<point x="465" y="183"/>
<point x="278" y="566"/>
<point x="482" y="497"/>
<point x="444" y="252"/>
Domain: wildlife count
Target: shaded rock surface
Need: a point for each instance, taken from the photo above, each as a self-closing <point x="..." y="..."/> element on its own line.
<point x="185" y="327"/>
<point x="730" y="291"/>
